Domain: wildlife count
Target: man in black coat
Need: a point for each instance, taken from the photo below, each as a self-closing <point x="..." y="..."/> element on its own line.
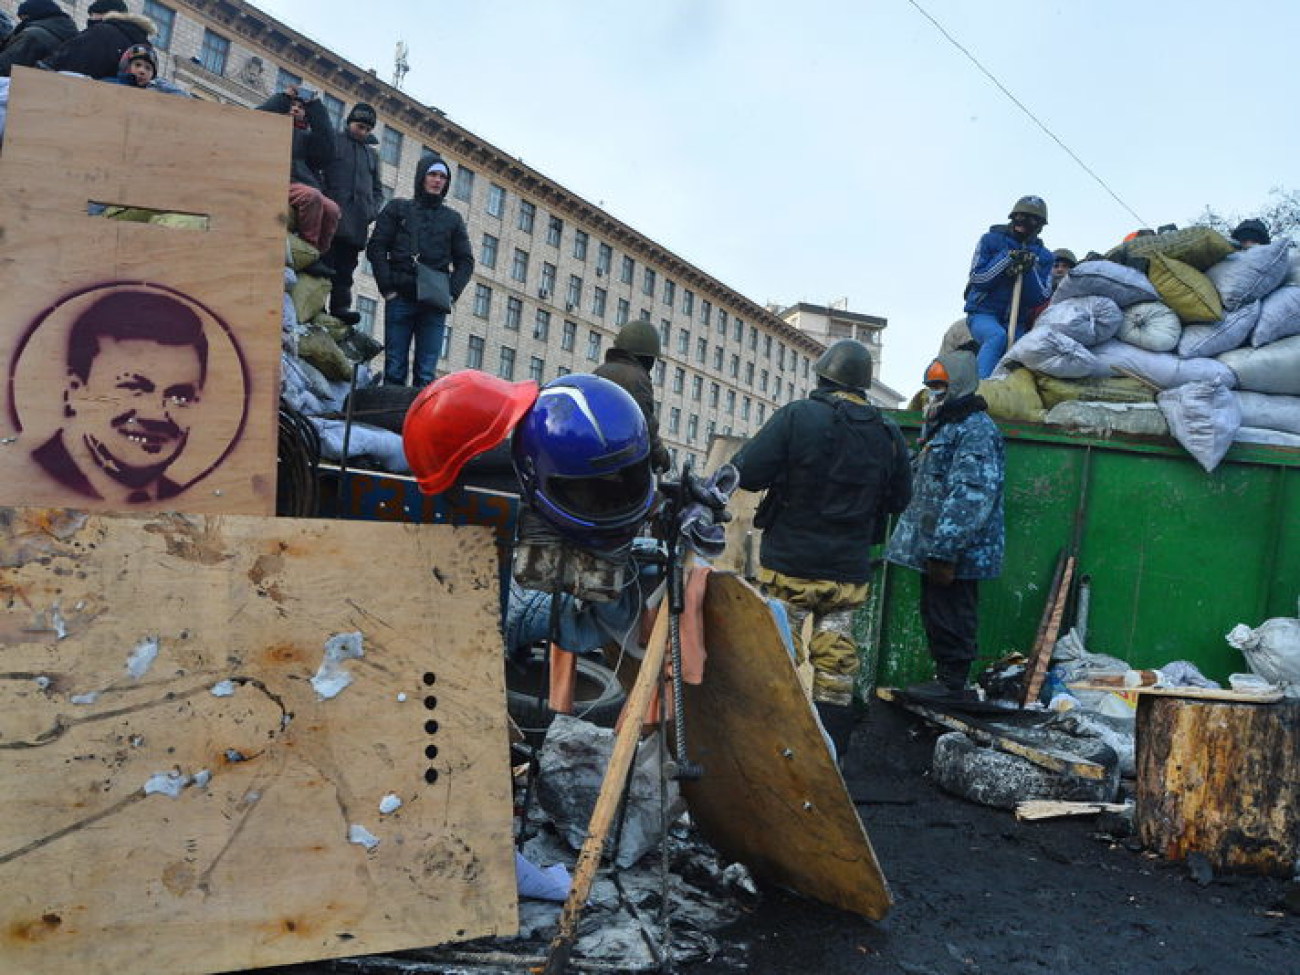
<point x="42" y="27"/>
<point x="352" y="181"/>
<point x="97" y="50"/>
<point x="426" y="230"/>
<point x="629" y="363"/>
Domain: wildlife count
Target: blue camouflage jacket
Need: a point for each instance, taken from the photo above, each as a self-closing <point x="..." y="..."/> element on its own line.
<point x="956" y="509"/>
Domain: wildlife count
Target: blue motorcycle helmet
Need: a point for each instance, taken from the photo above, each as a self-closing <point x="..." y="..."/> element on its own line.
<point x="582" y="454"/>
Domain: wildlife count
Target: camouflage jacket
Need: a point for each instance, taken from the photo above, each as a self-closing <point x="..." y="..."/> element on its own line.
<point x="956" y="509"/>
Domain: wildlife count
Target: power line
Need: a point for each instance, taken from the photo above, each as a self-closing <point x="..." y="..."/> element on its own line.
<point x="1021" y="105"/>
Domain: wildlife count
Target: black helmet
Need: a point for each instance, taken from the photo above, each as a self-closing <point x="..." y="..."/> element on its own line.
<point x="639" y="338"/>
<point x="1032" y="205"/>
<point x="846" y="363"/>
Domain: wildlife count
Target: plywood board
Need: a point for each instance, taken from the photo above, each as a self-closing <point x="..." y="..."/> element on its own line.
<point x="771" y="796"/>
<point x="213" y="656"/>
<point x="184" y="417"/>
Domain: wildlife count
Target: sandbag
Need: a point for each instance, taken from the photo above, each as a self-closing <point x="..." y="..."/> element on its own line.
<point x="1279" y="316"/>
<point x="1109" y="389"/>
<point x="310" y="295"/>
<point x="1151" y="325"/>
<point x="1272" y="368"/>
<point x="1201" y="247"/>
<point x="1013" y="397"/>
<point x="1054" y="354"/>
<point x="1106" y="279"/>
<point x="1088" y="319"/>
<point x="1272" y="650"/>
<point x="1163" y="369"/>
<point x="1248" y="275"/>
<point x="1203" y="417"/>
<point x="1231" y="333"/>
<point x="1269" y="412"/>
<point x="299" y="254"/>
<point x="1186" y="290"/>
<point x="1270" y="438"/>
<point x="1104" y="419"/>
<point x="321" y="351"/>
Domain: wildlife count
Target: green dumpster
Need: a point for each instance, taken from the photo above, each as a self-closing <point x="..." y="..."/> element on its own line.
<point x="1175" y="557"/>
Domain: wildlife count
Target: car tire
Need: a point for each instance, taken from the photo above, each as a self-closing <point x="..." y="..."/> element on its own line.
<point x="597" y="695"/>
<point x="382" y="406"/>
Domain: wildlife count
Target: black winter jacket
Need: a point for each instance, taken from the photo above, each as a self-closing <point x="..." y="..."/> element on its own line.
<point x="425" y="226"/>
<point x="833" y="468"/>
<point x="313" y="147"/>
<point x="624" y="369"/>
<point x="34" y="40"/>
<point x="97" y="50"/>
<point x="352" y="181"/>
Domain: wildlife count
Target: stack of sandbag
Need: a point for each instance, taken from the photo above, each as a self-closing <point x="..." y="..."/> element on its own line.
<point x="1212" y="332"/>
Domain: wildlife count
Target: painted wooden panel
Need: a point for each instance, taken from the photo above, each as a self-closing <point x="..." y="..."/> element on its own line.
<point x="202" y="719"/>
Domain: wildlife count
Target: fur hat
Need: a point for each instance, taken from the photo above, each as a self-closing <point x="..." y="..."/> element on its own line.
<point x="361" y="112"/>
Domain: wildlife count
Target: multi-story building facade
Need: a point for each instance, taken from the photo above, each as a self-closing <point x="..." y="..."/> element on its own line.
<point x="556" y="276"/>
<point x="830" y="323"/>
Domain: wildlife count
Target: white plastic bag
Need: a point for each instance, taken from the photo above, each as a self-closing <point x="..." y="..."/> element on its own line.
<point x="1272" y="650"/>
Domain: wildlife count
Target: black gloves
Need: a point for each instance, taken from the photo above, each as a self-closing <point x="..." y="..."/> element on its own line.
<point x="1021" y="261"/>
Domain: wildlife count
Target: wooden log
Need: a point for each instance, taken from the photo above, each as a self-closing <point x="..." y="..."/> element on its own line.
<point x="1221" y="779"/>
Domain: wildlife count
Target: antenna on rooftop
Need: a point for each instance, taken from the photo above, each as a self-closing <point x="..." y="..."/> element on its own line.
<point x="400" y="64"/>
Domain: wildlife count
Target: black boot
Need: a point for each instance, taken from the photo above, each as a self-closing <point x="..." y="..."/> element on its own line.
<point x="838" y="720"/>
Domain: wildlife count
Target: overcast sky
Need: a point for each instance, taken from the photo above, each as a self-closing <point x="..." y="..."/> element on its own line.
<point x="822" y="150"/>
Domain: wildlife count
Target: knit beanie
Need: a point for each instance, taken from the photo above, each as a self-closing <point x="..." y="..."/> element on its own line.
<point x="361" y="112"/>
<point x="107" y="6"/>
<point x="38" y="8"/>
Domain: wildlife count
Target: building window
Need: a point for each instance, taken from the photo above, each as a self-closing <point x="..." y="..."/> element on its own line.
<point x="701" y="349"/>
<point x="604" y="259"/>
<point x="762" y="412"/>
<point x="514" y="313"/>
<point x="762" y="380"/>
<point x="706" y="311"/>
<point x="482" y="300"/>
<point x="554" y="231"/>
<point x="334" y="109"/>
<point x="648" y="282"/>
<point x="767" y="346"/>
<point x="679" y="379"/>
<point x="780" y="357"/>
<point x="628" y="270"/>
<point x="527" y="214"/>
<point x="464" y="188"/>
<point x="580" y="245"/>
<point x="737" y="329"/>
<point x="734" y="369"/>
<point x="390" y="146"/>
<point x="744" y="408"/>
<point x="574" y="295"/>
<point x="670" y="292"/>
<point x="714" y="391"/>
<point x="710" y="430"/>
<point x="688" y="301"/>
<point x="623" y="312"/>
<point x="446" y="344"/>
<point x="496" y="201"/>
<point x="598" y="299"/>
<point x="722" y="322"/>
<point x="570" y="336"/>
<point x="731" y="402"/>
<point x="692" y="427"/>
<point x="548" y="279"/>
<point x="366" y="308"/>
<point x="593" y="345"/>
<point x="776" y="388"/>
<point x="284" y="79"/>
<point x="661" y="370"/>
<point x="536" y="369"/>
<point x="684" y="342"/>
<point x="519" y="265"/>
<point x="214" y="52"/>
<point x="805" y="367"/>
<point x="542" y="325"/>
<point x="164" y="18"/>
<point x="474" y="352"/>
<point x="697" y="388"/>
<point x="753" y="338"/>
<point x="717" y="357"/>
<point x="488" y="252"/>
<point x="674" y="420"/>
<point x="506" y="368"/>
<point x="749" y="374"/>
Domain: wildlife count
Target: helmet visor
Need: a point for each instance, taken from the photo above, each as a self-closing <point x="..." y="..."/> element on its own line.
<point x="604" y="499"/>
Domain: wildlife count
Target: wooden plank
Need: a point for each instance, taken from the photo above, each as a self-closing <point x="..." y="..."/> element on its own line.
<point x="1206" y="693"/>
<point x="1048" y="631"/>
<point x="771" y="795"/>
<point x="71" y="142"/>
<point x="980" y="731"/>
<point x="135" y="646"/>
<point x="1033" y="809"/>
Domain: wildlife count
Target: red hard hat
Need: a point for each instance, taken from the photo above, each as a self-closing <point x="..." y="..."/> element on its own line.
<point x="458" y="417"/>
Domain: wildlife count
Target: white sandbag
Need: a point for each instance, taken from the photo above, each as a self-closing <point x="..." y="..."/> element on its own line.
<point x="1203" y="417"/>
<point x="1122" y="285"/>
<point x="1095" y="419"/>
<point x="1270" y="438"/>
<point x="1151" y="325"/>
<point x="1279" y="316"/>
<point x="1250" y="274"/>
<point x="381" y="446"/>
<point x="1272" y="368"/>
<point x="1053" y="353"/>
<point x="1163" y="369"/>
<point x="1088" y="319"/>
<point x="1231" y="333"/>
<point x="1272" y="650"/>
<point x="1269" y="412"/>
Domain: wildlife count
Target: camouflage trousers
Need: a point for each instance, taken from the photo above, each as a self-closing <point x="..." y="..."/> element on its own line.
<point x="832" y="651"/>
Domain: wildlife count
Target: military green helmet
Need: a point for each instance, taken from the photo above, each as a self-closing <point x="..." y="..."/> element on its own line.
<point x="639" y="338"/>
<point x="1032" y="205"/>
<point x="847" y="362"/>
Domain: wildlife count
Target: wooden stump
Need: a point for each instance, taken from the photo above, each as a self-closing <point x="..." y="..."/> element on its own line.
<point x="1221" y="779"/>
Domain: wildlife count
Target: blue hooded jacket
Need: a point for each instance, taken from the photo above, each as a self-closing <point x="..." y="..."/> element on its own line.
<point x="990" y="286"/>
